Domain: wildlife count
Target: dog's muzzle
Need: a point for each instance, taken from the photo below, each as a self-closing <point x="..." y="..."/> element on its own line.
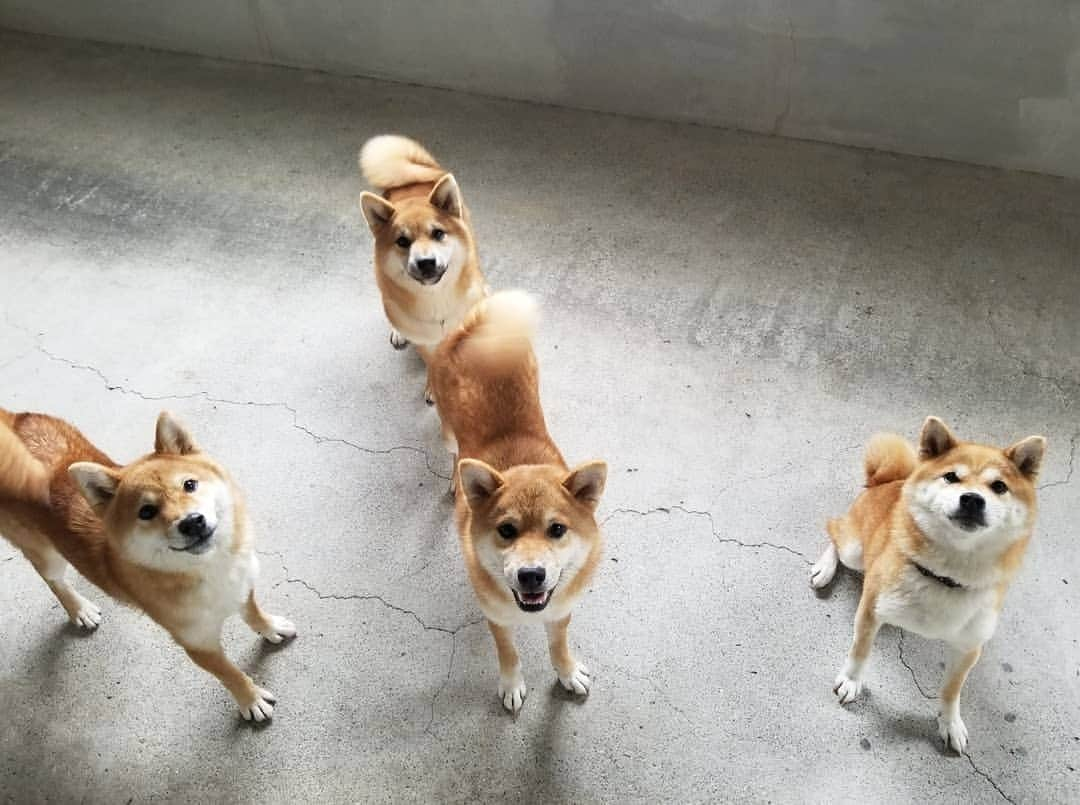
<point x="197" y="531"/>
<point x="426" y="270"/>
<point x="530" y="594"/>
<point x="971" y="513"/>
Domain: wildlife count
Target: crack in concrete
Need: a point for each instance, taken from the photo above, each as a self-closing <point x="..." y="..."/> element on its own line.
<point x="1072" y="458"/>
<point x="442" y="686"/>
<point x="1057" y="382"/>
<point x="914" y="678"/>
<point x="712" y="527"/>
<point x="363" y="597"/>
<point x="318" y="438"/>
<point x="989" y="779"/>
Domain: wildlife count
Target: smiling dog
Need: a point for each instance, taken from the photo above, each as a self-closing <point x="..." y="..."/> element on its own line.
<point x="940" y="535"/>
<point x="426" y="264"/>
<point x="167" y="534"/>
<point x="528" y="532"/>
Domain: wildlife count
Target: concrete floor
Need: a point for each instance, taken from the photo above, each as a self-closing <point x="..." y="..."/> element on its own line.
<point x="727" y="318"/>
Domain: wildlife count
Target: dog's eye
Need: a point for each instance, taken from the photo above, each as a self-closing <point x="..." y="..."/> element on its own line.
<point x="999" y="487"/>
<point x="148" y="512"/>
<point x="507" y="530"/>
<point x="438" y="234"/>
<point x="556" y="530"/>
<point x="403" y="242"/>
<point x="951" y="478"/>
<point x="190" y="485"/>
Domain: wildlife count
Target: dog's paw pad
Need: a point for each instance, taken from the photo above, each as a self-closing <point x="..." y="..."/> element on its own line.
<point x="846" y="689"/>
<point x="260" y="708"/>
<point x="397" y="340"/>
<point x="279" y="629"/>
<point x="953" y="732"/>
<point x="577" y="681"/>
<point x="512" y="692"/>
<point x="85" y="614"/>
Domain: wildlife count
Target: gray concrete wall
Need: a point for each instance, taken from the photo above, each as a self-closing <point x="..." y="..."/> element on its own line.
<point x="987" y="81"/>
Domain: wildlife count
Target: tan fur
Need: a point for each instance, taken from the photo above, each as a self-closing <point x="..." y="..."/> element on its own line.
<point x="881" y="534"/>
<point x="486" y="386"/>
<point x="95" y="528"/>
<point x="417" y="197"/>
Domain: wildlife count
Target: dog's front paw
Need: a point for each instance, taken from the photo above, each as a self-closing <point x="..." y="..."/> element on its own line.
<point x="260" y="707"/>
<point x="512" y="691"/>
<point x="84" y="612"/>
<point x="278" y="629"/>
<point x="397" y="340"/>
<point x="577" y="680"/>
<point x="953" y="732"/>
<point x="846" y="689"/>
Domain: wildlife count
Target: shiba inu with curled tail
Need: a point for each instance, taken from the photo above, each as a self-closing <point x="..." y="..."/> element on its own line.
<point x="939" y="535"/>
<point x="426" y="263"/>
<point x="167" y="534"/>
<point x="528" y="532"/>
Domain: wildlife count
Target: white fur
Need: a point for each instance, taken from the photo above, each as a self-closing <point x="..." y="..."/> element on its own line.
<point x="577" y="681"/>
<point x="260" y="708"/>
<point x="823" y="570"/>
<point x="512" y="690"/>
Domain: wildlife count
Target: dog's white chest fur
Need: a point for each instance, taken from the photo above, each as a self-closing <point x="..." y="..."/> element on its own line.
<point x="963" y="617"/>
<point x="222" y="591"/>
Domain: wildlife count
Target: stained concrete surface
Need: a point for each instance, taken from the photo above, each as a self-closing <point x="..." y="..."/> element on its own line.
<point x="727" y="318"/>
<point x="994" y="82"/>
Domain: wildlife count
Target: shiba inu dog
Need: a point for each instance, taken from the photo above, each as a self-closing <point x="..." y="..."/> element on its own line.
<point x="167" y="534"/>
<point x="426" y="263"/>
<point x="528" y="532"/>
<point x="939" y="535"/>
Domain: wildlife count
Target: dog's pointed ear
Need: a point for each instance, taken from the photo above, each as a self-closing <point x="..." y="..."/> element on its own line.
<point x="446" y="195"/>
<point x="96" y="483"/>
<point x="172" y="438"/>
<point x="1027" y="455"/>
<point x="586" y="482"/>
<point x="377" y="211"/>
<point x="478" y="480"/>
<point x="936" y="439"/>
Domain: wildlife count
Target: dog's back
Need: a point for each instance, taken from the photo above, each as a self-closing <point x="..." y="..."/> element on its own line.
<point x="486" y="383"/>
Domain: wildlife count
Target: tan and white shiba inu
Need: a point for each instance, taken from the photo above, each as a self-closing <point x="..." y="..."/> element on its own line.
<point x="167" y="534"/>
<point x="528" y="532"/>
<point x="940" y="536"/>
<point x="426" y="263"/>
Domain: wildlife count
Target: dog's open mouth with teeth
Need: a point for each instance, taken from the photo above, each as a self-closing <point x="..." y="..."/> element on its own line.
<point x="532" y="602"/>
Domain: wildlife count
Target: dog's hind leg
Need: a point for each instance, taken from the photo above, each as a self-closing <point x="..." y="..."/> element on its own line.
<point x="52" y="567"/>
<point x="273" y="628"/>
<point x="572" y="674"/>
<point x="512" y="688"/>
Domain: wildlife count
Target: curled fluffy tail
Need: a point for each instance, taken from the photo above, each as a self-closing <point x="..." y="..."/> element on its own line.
<point x="390" y="161"/>
<point x="22" y="477"/>
<point x="888" y="458"/>
<point x="498" y="330"/>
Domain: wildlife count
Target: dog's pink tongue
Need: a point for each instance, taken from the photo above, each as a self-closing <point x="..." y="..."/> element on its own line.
<point x="533" y="598"/>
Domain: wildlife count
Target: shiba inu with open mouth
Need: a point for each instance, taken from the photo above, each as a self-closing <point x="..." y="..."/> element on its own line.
<point x="939" y="535"/>
<point x="167" y="534"/>
<point x="426" y="263"/>
<point x="528" y="532"/>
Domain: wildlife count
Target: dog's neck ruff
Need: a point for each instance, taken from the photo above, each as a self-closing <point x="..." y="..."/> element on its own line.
<point x="952" y="584"/>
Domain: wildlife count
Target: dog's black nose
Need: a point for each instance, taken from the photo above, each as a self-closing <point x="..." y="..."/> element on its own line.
<point x="426" y="266"/>
<point x="193" y="525"/>
<point x="972" y="502"/>
<point x="531" y="578"/>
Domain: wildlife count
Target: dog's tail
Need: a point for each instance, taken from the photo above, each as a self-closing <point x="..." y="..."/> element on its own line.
<point x="390" y="161"/>
<point x="22" y="477"/>
<point x="498" y="331"/>
<point x="888" y="458"/>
